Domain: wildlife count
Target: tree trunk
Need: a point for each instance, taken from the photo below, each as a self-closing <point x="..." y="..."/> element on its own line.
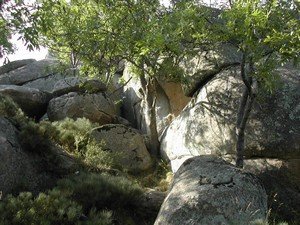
<point x="149" y="91"/>
<point x="244" y="110"/>
<point x="243" y="115"/>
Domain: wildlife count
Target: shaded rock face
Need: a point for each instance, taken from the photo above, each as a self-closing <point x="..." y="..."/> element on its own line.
<point x="75" y="84"/>
<point x="29" y="72"/>
<point x="205" y="65"/>
<point x="169" y="101"/>
<point x="281" y="180"/>
<point x="32" y="101"/>
<point x="207" y="125"/>
<point x="208" y="190"/>
<point x="18" y="170"/>
<point x="15" y="65"/>
<point x="126" y="141"/>
<point x="95" y="107"/>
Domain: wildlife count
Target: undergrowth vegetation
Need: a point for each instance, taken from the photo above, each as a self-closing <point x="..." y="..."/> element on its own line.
<point x="49" y="208"/>
<point x="89" y="196"/>
<point x="101" y="191"/>
<point x="74" y="134"/>
<point x="9" y="109"/>
<point x="85" y="198"/>
<point x="158" y="179"/>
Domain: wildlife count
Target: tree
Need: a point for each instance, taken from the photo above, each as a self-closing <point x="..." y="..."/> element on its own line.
<point x="267" y="34"/>
<point x="102" y="33"/>
<point x="17" y="18"/>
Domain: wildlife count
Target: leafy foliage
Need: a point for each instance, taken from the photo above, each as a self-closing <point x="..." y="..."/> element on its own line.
<point x="54" y="207"/>
<point x="101" y="191"/>
<point x="99" y="159"/>
<point x="9" y="109"/>
<point x="37" y="137"/>
<point x="5" y="46"/>
<point x="74" y="134"/>
<point x="268" y="33"/>
<point x="17" y="17"/>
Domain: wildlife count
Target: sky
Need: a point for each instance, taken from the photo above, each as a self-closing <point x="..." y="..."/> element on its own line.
<point x="23" y="53"/>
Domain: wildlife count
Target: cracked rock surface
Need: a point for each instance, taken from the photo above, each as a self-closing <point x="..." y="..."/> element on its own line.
<point x="76" y="84"/>
<point x="128" y="142"/>
<point x="18" y="169"/>
<point x="95" y="107"/>
<point x="32" y="101"/>
<point x="15" y="65"/>
<point x="46" y="83"/>
<point x="29" y="72"/>
<point x="207" y="190"/>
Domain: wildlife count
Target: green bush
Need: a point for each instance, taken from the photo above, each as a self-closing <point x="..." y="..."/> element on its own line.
<point x="37" y="137"/>
<point x="96" y="157"/>
<point x="47" y="209"/>
<point x="9" y="109"/>
<point x="101" y="191"/>
<point x="74" y="134"/>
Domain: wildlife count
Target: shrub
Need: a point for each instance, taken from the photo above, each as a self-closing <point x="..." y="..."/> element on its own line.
<point x="47" y="209"/>
<point x="37" y="137"/>
<point x="9" y="109"/>
<point x="74" y="134"/>
<point x="102" y="191"/>
<point x="98" y="158"/>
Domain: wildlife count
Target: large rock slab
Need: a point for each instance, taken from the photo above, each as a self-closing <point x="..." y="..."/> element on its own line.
<point x="207" y="124"/>
<point x="118" y="138"/>
<point x="29" y="72"/>
<point x="45" y="83"/>
<point x="207" y="190"/>
<point x="95" y="107"/>
<point x="18" y="171"/>
<point x="15" y="65"/>
<point x="32" y="101"/>
<point x="76" y="84"/>
<point x="202" y="67"/>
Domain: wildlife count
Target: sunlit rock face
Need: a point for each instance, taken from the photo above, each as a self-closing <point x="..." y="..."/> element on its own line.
<point x="207" y="190"/>
<point x="128" y="143"/>
<point x="207" y="124"/>
<point x="77" y="84"/>
<point x="30" y="72"/>
<point x="15" y="65"/>
<point x="95" y="107"/>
